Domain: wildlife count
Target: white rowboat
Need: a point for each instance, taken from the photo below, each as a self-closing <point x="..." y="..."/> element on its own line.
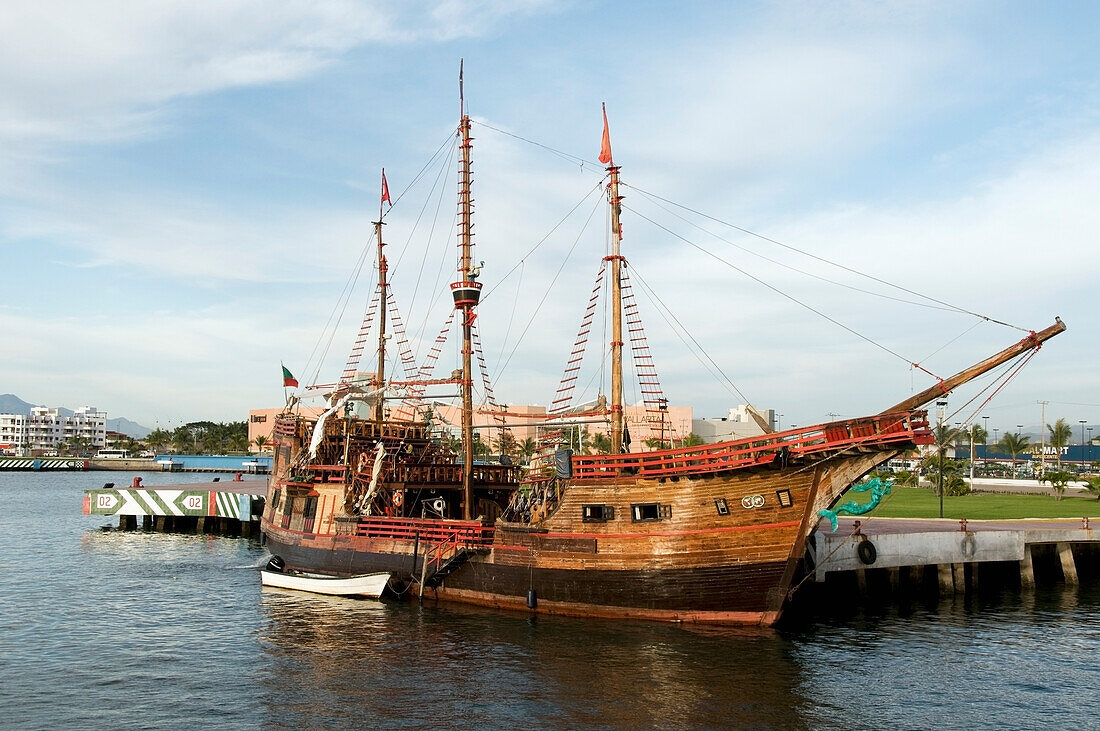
<point x="367" y="585"/>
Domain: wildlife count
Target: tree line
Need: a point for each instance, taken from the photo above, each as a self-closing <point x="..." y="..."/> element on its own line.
<point x="206" y="437"/>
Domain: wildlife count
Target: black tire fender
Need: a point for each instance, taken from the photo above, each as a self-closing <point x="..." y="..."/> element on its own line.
<point x="866" y="552"/>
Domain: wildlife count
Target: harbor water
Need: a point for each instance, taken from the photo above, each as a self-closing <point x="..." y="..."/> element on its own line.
<point x="107" y="629"/>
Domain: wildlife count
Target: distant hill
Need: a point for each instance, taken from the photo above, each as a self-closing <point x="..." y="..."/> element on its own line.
<point x="129" y="428"/>
<point x="12" y="404"/>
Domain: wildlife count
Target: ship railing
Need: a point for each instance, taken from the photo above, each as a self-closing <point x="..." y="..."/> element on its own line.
<point x="441" y="552"/>
<point x="468" y="532"/>
<point x="883" y="430"/>
<point x="451" y="474"/>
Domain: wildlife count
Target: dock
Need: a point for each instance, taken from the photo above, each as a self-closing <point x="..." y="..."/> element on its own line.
<point x="38" y="464"/>
<point x="245" y="464"/>
<point x="228" y="508"/>
<point x="952" y="557"/>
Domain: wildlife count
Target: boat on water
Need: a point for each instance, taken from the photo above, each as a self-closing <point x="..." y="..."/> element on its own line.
<point x="713" y="533"/>
<point x="368" y="586"/>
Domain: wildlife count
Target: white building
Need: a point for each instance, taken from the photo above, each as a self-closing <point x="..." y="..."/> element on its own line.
<point x="46" y="429"/>
<point x="737" y="423"/>
<point x="13" y="434"/>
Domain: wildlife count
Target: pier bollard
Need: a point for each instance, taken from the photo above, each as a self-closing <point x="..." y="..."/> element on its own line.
<point x="962" y="525"/>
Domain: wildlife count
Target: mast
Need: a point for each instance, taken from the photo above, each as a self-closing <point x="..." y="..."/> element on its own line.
<point x="380" y="374"/>
<point x="466" y="293"/>
<point x="617" y="260"/>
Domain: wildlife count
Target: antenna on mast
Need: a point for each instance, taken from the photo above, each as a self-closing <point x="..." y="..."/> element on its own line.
<point x="461" y="96"/>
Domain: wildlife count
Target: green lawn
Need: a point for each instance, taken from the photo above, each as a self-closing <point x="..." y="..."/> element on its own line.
<point x="912" y="502"/>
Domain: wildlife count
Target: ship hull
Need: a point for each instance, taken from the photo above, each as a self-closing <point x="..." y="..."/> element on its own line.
<point x="722" y="594"/>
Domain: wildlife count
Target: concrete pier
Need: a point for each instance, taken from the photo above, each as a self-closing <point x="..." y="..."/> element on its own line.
<point x="959" y="555"/>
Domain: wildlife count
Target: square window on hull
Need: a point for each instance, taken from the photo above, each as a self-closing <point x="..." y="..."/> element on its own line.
<point x="597" y="513"/>
<point x="645" y="512"/>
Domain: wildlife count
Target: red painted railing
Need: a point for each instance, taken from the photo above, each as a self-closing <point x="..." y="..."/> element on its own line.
<point x="442" y="552"/>
<point x="465" y="532"/>
<point x="885" y="430"/>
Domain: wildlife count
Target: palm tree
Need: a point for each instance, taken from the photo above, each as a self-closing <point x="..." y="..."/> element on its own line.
<point x="692" y="440"/>
<point x="527" y="449"/>
<point x="578" y="438"/>
<point x="953" y="482"/>
<point x="1092" y="484"/>
<point x="1060" y="436"/>
<point x="182" y="439"/>
<point x="480" y="448"/>
<point x="1058" y="480"/>
<point x="260" y="442"/>
<point x="506" y="443"/>
<point x="601" y="443"/>
<point x="1014" y="444"/>
<point x="158" y="439"/>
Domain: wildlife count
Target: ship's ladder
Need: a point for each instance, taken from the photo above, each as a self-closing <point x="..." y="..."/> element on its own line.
<point x="360" y="344"/>
<point x="412" y="402"/>
<point x="564" y="397"/>
<point x="648" y="382"/>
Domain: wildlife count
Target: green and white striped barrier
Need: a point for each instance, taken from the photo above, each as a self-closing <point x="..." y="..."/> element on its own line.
<point x="196" y="503"/>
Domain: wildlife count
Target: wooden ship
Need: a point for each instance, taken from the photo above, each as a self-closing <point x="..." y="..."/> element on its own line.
<point x="713" y="533"/>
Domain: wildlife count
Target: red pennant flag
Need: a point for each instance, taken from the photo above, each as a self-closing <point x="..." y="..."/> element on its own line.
<point x="605" y="147"/>
<point x="385" y="189"/>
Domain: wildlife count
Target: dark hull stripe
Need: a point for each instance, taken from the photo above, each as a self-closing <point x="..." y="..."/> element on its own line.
<point x="748" y="591"/>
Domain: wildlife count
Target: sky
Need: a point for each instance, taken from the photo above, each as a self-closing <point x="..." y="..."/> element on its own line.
<point x="186" y="187"/>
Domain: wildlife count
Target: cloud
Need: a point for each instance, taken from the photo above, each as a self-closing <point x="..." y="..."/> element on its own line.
<point x="76" y="71"/>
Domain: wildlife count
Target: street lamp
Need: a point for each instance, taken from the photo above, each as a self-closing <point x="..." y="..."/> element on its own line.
<point x="972" y="427"/>
<point x="1082" y="422"/>
<point x="985" y="425"/>
<point x="662" y="405"/>
<point x="940" y="406"/>
<point x="1018" y="428"/>
<point x="1089" y="457"/>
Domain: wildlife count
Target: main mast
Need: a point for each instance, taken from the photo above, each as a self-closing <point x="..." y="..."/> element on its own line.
<point x="616" y="259"/>
<point x="466" y="293"/>
<point x="380" y="374"/>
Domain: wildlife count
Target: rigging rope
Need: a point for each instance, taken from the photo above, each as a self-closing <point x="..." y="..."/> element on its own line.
<point x="780" y="292"/>
<point x="556" y="226"/>
<point x="796" y="269"/>
<point x="338" y="310"/>
<point x="546" y="294"/>
<point x="678" y="327"/>
<point x="826" y="261"/>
